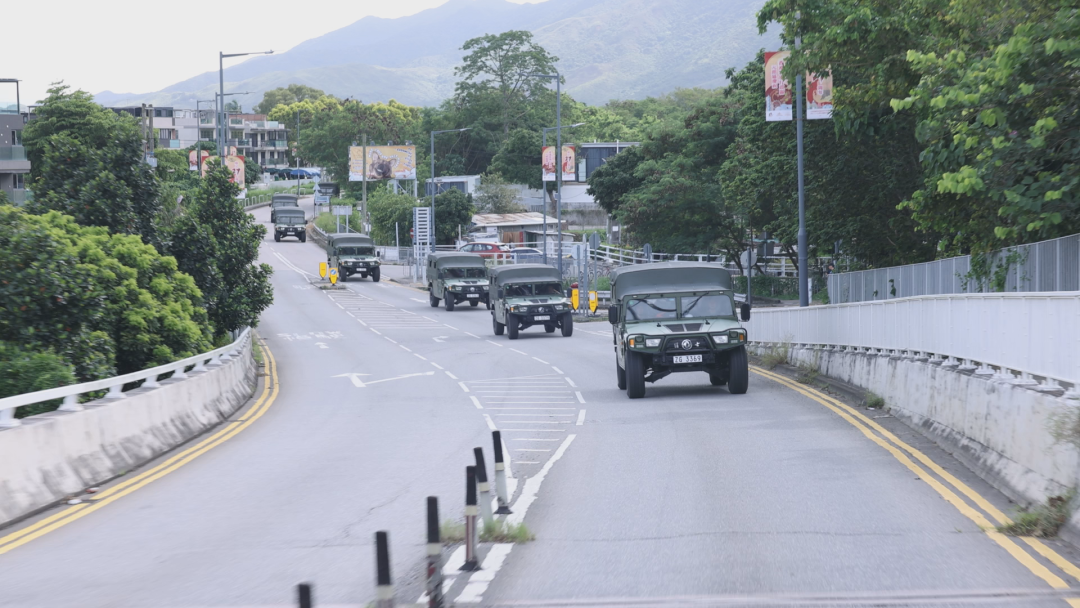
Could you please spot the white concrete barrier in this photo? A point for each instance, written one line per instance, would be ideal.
(51, 456)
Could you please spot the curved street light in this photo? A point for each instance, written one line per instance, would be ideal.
(221, 94)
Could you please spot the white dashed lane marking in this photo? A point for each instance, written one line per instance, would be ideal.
(377, 314)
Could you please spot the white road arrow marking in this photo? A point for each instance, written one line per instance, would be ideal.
(439, 338)
(355, 379)
(400, 377)
(419, 300)
(358, 383)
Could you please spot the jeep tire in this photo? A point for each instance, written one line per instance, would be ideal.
(375, 274)
(568, 325)
(635, 375)
(303, 237)
(496, 326)
(277, 237)
(431, 297)
(739, 371)
(344, 275)
(512, 326)
(620, 376)
(449, 302)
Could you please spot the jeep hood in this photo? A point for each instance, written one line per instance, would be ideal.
(665, 327)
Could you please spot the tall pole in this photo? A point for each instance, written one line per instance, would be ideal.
(221, 106)
(804, 277)
(298, 154)
(363, 165)
(558, 174)
(544, 198)
(432, 184)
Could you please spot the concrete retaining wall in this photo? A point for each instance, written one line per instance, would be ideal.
(54, 455)
(998, 429)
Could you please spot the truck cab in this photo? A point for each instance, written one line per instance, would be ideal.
(455, 277)
(290, 221)
(352, 254)
(526, 295)
(677, 317)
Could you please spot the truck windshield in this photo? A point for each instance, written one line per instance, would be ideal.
(534, 289)
(356, 251)
(291, 220)
(651, 308)
(465, 273)
(706, 306)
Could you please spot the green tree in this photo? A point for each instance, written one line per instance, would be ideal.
(519, 159)
(495, 195)
(217, 243)
(252, 171)
(87, 162)
(611, 182)
(285, 96)
(453, 208)
(388, 210)
(26, 371)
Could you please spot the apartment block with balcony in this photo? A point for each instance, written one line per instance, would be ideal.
(263, 141)
(14, 167)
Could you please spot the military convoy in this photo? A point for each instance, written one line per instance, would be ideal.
(677, 317)
(455, 277)
(290, 221)
(351, 254)
(282, 201)
(527, 295)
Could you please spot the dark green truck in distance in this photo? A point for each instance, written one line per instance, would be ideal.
(455, 277)
(290, 221)
(352, 254)
(677, 317)
(282, 201)
(524, 295)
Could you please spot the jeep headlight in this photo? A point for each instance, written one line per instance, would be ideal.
(720, 338)
(737, 335)
(652, 342)
(455, 287)
(517, 309)
(562, 307)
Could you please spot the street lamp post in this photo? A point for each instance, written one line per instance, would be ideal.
(545, 130)
(221, 95)
(558, 147)
(433, 134)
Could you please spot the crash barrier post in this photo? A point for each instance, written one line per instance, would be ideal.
(303, 595)
(484, 487)
(471, 563)
(434, 555)
(500, 475)
(384, 589)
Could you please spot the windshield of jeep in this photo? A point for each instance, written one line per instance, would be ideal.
(706, 306)
(693, 307)
(464, 273)
(356, 251)
(651, 308)
(534, 289)
(290, 220)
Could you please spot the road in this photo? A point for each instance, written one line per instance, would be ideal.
(381, 398)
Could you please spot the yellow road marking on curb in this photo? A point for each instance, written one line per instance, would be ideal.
(850, 415)
(103, 498)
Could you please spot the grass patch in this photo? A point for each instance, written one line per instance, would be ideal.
(256, 350)
(874, 401)
(1042, 520)
(775, 356)
(497, 532)
(806, 375)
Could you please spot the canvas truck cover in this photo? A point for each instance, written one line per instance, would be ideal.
(668, 277)
(285, 198)
(524, 273)
(345, 239)
(457, 259)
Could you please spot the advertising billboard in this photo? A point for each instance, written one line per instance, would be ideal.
(778, 93)
(235, 165)
(383, 162)
(569, 163)
(193, 161)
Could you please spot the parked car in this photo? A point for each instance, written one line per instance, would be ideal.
(526, 255)
(486, 250)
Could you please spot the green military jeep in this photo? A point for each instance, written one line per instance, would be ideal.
(282, 201)
(455, 277)
(677, 317)
(527, 295)
(290, 221)
(352, 254)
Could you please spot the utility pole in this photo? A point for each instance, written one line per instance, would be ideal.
(363, 184)
(298, 154)
(804, 276)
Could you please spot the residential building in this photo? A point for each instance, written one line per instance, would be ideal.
(463, 183)
(14, 167)
(254, 137)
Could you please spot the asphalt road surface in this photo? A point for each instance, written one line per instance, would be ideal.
(775, 497)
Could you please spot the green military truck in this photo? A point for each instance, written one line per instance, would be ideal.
(528, 294)
(352, 254)
(290, 221)
(282, 201)
(677, 317)
(455, 277)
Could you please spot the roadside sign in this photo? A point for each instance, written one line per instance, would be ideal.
(322, 199)
(594, 241)
(342, 209)
(575, 297)
(593, 301)
(647, 252)
(322, 269)
(333, 276)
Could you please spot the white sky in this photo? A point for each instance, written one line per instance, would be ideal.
(139, 47)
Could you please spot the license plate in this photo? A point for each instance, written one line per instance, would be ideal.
(542, 318)
(687, 358)
(474, 295)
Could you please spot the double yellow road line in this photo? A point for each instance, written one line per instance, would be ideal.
(105, 497)
(908, 456)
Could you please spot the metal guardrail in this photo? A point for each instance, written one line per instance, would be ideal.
(1052, 265)
(972, 332)
(115, 386)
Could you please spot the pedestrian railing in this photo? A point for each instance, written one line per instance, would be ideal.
(1024, 338)
(115, 386)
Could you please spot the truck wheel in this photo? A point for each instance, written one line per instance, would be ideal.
(635, 375)
(375, 275)
(739, 374)
(344, 275)
(303, 237)
(568, 325)
(449, 302)
(432, 299)
(277, 238)
(549, 328)
(474, 303)
(496, 326)
(512, 326)
(620, 375)
(717, 379)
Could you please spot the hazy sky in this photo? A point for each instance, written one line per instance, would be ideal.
(138, 47)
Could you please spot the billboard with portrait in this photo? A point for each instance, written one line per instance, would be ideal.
(383, 162)
(778, 94)
(193, 160)
(569, 163)
(235, 165)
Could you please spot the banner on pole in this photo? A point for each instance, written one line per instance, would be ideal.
(569, 164)
(235, 165)
(383, 162)
(779, 94)
(819, 90)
